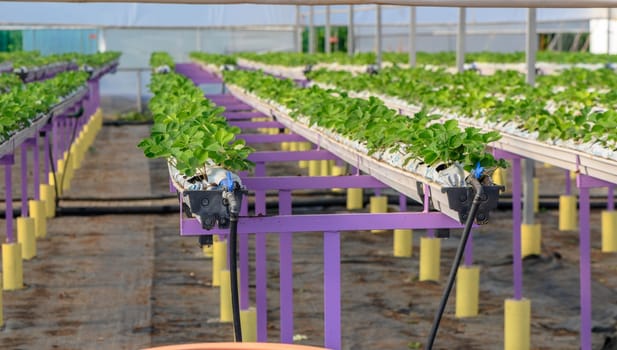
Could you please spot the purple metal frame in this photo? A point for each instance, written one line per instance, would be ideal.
(8, 161)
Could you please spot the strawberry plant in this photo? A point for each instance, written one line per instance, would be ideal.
(190, 130)
(160, 59)
(373, 124)
(212, 58)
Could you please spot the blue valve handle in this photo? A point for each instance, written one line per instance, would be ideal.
(478, 170)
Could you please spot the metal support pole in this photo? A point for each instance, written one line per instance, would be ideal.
(139, 108)
(8, 161)
(412, 36)
(379, 46)
(311, 29)
(332, 290)
(350, 32)
(532, 46)
(517, 255)
(24, 180)
(298, 28)
(198, 39)
(460, 39)
(261, 269)
(528, 191)
(36, 169)
(328, 34)
(585, 268)
(286, 272)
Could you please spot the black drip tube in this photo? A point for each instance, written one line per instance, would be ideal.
(457, 259)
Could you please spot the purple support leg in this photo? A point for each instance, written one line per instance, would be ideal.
(243, 255)
(36, 169)
(585, 268)
(286, 272)
(517, 259)
(56, 141)
(610, 205)
(24, 180)
(46, 156)
(332, 290)
(8, 161)
(261, 271)
(377, 192)
(402, 202)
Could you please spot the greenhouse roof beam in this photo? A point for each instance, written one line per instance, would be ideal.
(431, 3)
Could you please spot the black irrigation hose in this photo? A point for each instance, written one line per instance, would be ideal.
(233, 267)
(457, 261)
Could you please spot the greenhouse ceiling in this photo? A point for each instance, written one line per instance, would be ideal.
(432, 3)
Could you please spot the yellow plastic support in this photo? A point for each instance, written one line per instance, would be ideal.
(378, 204)
(38, 212)
(314, 168)
(219, 261)
(609, 231)
(517, 324)
(225, 297)
(324, 168)
(12, 269)
(294, 146)
(567, 213)
(547, 165)
(467, 291)
(209, 250)
(1, 309)
(248, 322)
(48, 195)
(355, 198)
(26, 237)
(499, 176)
(52, 182)
(338, 171)
(430, 251)
(536, 194)
(285, 146)
(531, 238)
(403, 243)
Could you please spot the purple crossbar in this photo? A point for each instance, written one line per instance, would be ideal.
(238, 106)
(256, 125)
(263, 225)
(286, 273)
(242, 115)
(196, 74)
(283, 156)
(263, 138)
(311, 183)
(332, 289)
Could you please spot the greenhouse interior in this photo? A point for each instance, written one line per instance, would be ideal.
(295, 174)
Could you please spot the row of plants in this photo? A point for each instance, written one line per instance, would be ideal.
(32, 59)
(9, 82)
(421, 138)
(24, 103)
(213, 58)
(575, 105)
(445, 58)
(190, 131)
(160, 59)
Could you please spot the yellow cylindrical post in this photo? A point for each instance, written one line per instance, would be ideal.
(12, 270)
(378, 204)
(609, 231)
(403, 243)
(38, 212)
(467, 291)
(324, 168)
(52, 182)
(26, 237)
(354, 198)
(225, 297)
(517, 324)
(1, 309)
(547, 165)
(531, 238)
(248, 322)
(284, 146)
(573, 175)
(314, 168)
(48, 196)
(498, 176)
(430, 251)
(338, 171)
(208, 250)
(219, 261)
(536, 194)
(567, 213)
